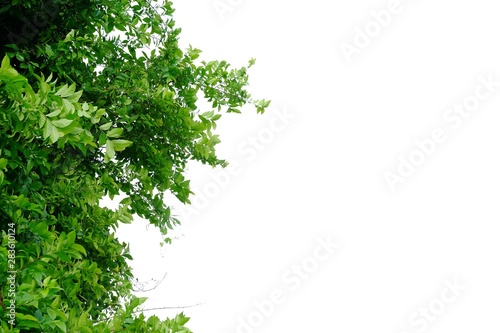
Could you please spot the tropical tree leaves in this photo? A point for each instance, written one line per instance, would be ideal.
(87, 112)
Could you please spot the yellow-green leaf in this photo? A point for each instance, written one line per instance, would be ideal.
(5, 62)
(115, 133)
(106, 126)
(62, 122)
(120, 145)
(110, 151)
(3, 163)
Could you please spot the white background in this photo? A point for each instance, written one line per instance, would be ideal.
(322, 174)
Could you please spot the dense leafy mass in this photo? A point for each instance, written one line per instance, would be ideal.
(96, 99)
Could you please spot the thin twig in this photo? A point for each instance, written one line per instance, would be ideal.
(169, 307)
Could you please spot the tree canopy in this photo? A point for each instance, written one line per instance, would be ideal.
(96, 100)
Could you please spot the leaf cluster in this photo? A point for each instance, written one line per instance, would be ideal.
(97, 99)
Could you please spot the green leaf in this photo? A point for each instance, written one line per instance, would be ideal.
(73, 98)
(39, 315)
(52, 314)
(68, 106)
(136, 301)
(71, 237)
(70, 35)
(106, 126)
(64, 91)
(61, 325)
(48, 50)
(79, 248)
(115, 133)
(5, 62)
(54, 113)
(110, 151)
(50, 131)
(120, 145)
(30, 318)
(41, 120)
(61, 123)
(10, 75)
(97, 116)
(3, 163)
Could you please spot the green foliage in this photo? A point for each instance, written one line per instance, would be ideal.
(96, 99)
